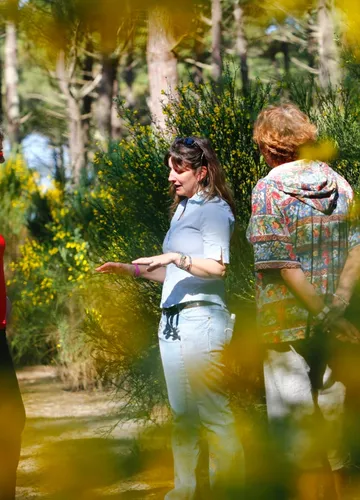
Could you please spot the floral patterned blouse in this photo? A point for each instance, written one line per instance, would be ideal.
(301, 217)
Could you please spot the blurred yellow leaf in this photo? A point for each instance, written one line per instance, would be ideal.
(323, 151)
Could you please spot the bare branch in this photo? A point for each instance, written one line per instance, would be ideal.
(132, 65)
(86, 116)
(94, 55)
(302, 65)
(25, 118)
(49, 100)
(197, 63)
(88, 88)
(51, 112)
(206, 20)
(288, 37)
(119, 50)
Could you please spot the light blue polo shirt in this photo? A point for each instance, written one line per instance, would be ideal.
(199, 228)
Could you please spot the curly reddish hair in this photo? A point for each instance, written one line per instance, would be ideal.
(280, 131)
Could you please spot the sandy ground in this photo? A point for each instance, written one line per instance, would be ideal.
(72, 448)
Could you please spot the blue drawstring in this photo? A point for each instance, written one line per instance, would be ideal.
(170, 330)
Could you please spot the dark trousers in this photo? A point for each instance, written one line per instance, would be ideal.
(12, 420)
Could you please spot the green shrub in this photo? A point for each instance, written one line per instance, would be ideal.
(132, 218)
(132, 213)
(336, 113)
(94, 325)
(46, 284)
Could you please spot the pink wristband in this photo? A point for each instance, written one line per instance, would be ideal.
(137, 270)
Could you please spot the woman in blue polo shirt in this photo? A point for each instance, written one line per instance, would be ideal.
(195, 325)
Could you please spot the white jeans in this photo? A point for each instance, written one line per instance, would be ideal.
(305, 405)
(192, 345)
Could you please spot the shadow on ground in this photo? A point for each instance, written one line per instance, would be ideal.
(68, 453)
(65, 466)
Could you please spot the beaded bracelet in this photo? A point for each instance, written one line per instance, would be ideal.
(344, 301)
(137, 271)
(188, 267)
(182, 264)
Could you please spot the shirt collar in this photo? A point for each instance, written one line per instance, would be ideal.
(198, 196)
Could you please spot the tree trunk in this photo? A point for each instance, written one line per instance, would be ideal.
(285, 50)
(105, 96)
(161, 60)
(129, 78)
(60, 171)
(216, 40)
(200, 54)
(311, 37)
(88, 99)
(77, 147)
(241, 45)
(11, 80)
(116, 124)
(78, 152)
(328, 51)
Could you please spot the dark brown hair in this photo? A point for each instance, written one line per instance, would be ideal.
(195, 152)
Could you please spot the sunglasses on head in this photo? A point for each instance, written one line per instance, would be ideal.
(189, 142)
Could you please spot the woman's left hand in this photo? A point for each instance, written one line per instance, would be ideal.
(345, 331)
(157, 261)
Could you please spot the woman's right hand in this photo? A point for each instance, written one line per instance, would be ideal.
(116, 268)
(345, 331)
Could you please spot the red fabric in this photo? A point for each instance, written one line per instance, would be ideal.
(2, 285)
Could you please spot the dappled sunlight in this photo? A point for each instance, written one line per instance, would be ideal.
(73, 449)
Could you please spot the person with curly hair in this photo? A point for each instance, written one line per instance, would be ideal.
(307, 261)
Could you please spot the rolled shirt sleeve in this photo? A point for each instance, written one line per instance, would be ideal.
(216, 227)
(268, 232)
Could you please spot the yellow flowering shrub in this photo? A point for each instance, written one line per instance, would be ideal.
(46, 283)
(97, 323)
(336, 112)
(131, 205)
(17, 185)
(132, 216)
(226, 117)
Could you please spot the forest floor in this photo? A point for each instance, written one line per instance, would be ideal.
(73, 449)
